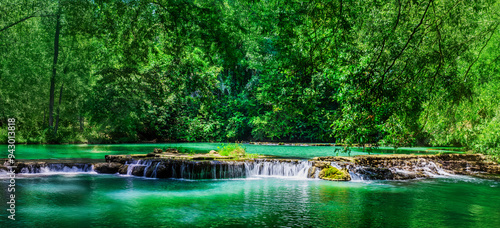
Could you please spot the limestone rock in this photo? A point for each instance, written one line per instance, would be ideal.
(112, 167)
(172, 151)
(123, 169)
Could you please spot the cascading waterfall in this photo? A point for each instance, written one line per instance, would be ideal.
(299, 169)
(56, 168)
(421, 169)
(401, 167)
(185, 169)
(144, 164)
(428, 168)
(155, 170)
(216, 169)
(355, 176)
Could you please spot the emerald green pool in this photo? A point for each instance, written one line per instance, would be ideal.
(91, 200)
(73, 151)
(104, 200)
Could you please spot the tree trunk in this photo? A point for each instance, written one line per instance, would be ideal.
(43, 120)
(54, 67)
(81, 122)
(58, 110)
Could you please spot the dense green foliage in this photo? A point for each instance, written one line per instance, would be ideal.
(398, 73)
(236, 151)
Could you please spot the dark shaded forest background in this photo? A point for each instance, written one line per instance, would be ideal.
(399, 73)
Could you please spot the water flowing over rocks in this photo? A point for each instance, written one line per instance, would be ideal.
(402, 167)
(48, 167)
(188, 169)
(170, 168)
(364, 167)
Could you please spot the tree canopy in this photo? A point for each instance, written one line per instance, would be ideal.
(399, 73)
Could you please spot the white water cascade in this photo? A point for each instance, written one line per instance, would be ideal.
(185, 169)
(56, 168)
(217, 169)
(422, 169)
(428, 168)
(298, 169)
(138, 163)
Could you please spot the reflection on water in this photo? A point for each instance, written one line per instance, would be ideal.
(109, 200)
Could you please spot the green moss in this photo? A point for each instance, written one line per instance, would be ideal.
(334, 174)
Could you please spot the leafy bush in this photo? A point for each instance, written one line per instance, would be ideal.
(235, 150)
(232, 150)
(488, 141)
(3, 135)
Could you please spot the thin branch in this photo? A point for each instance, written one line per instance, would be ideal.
(479, 55)
(17, 22)
(409, 39)
(24, 19)
(387, 36)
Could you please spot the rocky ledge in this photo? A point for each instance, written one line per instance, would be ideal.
(365, 167)
(175, 155)
(402, 167)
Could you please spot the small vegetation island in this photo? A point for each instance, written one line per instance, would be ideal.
(328, 104)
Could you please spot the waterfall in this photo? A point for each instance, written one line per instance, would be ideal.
(299, 169)
(420, 169)
(353, 172)
(144, 164)
(216, 169)
(411, 170)
(155, 170)
(53, 168)
(185, 169)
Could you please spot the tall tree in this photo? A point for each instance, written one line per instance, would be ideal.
(54, 68)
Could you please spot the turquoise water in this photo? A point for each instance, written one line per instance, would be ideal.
(91, 200)
(73, 151)
(88, 200)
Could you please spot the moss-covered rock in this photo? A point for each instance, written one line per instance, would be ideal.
(334, 174)
(123, 169)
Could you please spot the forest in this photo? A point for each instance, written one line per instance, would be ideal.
(395, 73)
